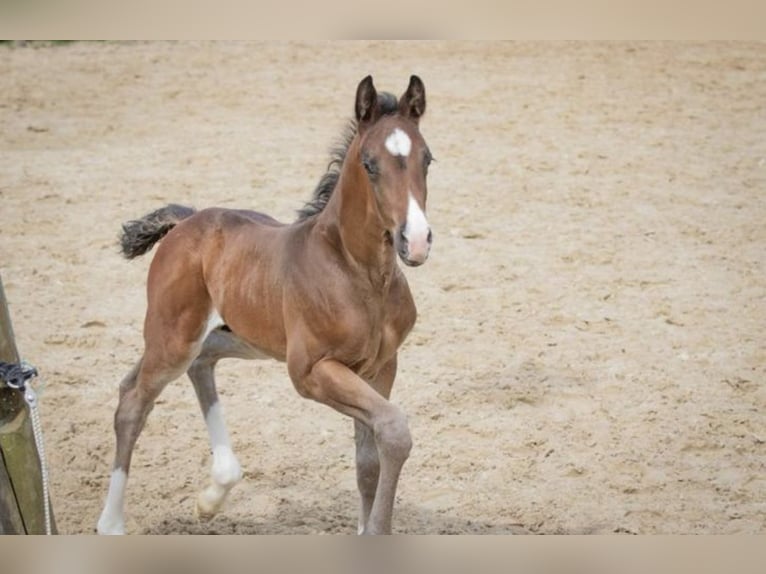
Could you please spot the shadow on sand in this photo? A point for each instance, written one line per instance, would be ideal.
(293, 517)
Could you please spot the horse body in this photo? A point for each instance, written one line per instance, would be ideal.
(324, 294)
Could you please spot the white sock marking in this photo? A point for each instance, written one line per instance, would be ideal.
(112, 520)
(216, 427)
(226, 470)
(398, 143)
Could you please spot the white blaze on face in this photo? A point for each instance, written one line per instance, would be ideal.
(398, 143)
(416, 232)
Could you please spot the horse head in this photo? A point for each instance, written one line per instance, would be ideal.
(395, 157)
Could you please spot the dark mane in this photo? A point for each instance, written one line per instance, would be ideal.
(322, 192)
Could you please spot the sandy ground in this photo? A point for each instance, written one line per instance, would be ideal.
(589, 356)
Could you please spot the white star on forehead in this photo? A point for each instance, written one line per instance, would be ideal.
(398, 143)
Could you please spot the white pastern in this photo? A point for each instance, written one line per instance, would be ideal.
(398, 143)
(112, 520)
(416, 231)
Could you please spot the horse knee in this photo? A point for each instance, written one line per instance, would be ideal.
(392, 435)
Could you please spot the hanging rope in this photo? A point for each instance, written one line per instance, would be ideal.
(16, 376)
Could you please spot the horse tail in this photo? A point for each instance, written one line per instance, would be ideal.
(138, 236)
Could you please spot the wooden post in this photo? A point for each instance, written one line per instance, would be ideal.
(21, 492)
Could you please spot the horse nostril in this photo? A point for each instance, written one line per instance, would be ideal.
(430, 237)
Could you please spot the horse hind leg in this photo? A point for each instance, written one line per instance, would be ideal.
(168, 353)
(138, 391)
(225, 470)
(112, 519)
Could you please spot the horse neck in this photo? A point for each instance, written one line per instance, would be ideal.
(352, 209)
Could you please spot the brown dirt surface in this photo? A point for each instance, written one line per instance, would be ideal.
(589, 355)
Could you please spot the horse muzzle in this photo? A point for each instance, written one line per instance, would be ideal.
(413, 251)
(414, 238)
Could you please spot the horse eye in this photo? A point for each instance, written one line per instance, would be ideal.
(370, 166)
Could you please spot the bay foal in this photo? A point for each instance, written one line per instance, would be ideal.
(324, 294)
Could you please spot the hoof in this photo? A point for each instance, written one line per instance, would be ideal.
(209, 502)
(109, 527)
(203, 513)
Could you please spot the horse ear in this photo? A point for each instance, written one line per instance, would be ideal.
(412, 104)
(366, 101)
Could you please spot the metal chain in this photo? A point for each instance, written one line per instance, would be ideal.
(16, 375)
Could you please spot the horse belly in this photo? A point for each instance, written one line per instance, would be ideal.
(259, 324)
(246, 295)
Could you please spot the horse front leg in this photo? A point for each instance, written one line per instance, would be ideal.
(367, 470)
(334, 384)
(367, 461)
